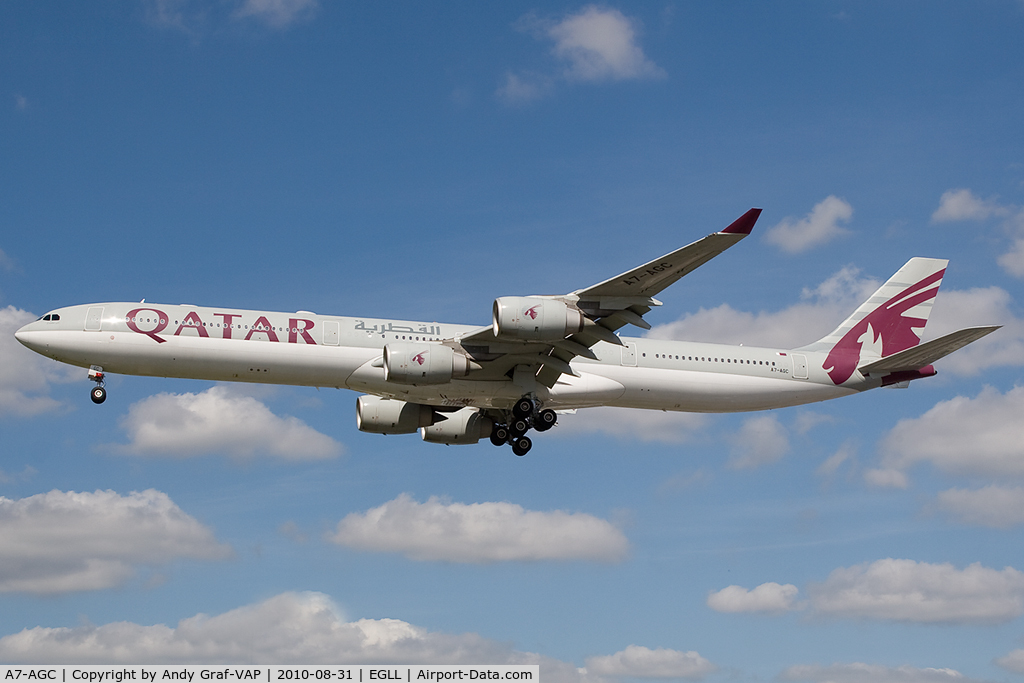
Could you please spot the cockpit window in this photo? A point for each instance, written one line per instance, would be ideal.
(51, 316)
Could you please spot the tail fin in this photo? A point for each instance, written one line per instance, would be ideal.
(892, 320)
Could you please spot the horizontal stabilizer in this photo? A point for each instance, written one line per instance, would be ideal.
(926, 353)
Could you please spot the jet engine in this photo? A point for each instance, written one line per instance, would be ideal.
(387, 416)
(534, 319)
(466, 426)
(423, 363)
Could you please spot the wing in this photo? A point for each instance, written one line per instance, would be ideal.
(600, 311)
(926, 353)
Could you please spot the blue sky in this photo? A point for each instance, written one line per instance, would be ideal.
(411, 160)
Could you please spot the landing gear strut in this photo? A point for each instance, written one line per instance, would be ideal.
(526, 414)
(98, 394)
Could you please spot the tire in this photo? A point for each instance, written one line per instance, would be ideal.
(522, 445)
(98, 395)
(518, 427)
(523, 408)
(546, 420)
(499, 435)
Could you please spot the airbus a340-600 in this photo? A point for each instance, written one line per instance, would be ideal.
(539, 357)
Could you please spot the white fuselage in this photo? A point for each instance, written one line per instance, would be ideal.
(302, 348)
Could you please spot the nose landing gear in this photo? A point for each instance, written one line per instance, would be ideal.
(526, 414)
(98, 394)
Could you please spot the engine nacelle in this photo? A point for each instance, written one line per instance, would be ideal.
(466, 426)
(522, 317)
(423, 363)
(387, 416)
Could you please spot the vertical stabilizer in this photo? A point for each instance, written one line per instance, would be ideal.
(892, 320)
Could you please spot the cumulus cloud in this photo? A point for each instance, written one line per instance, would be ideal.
(6, 262)
(995, 506)
(277, 13)
(956, 309)
(300, 628)
(979, 436)
(909, 591)
(632, 423)
(523, 88)
(60, 541)
(600, 43)
(858, 672)
(761, 440)
(963, 205)
(822, 225)
(479, 532)
(594, 44)
(846, 451)
(1013, 661)
(637, 661)
(25, 376)
(219, 421)
(768, 597)
(817, 313)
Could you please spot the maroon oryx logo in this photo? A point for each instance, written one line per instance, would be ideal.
(531, 312)
(420, 358)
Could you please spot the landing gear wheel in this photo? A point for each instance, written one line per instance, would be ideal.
(99, 395)
(522, 445)
(499, 435)
(546, 420)
(518, 427)
(523, 408)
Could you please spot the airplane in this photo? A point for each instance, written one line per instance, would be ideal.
(541, 356)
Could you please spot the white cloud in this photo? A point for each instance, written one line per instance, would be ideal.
(633, 423)
(60, 541)
(956, 309)
(979, 436)
(1013, 661)
(523, 89)
(218, 421)
(845, 452)
(886, 478)
(599, 43)
(768, 597)
(993, 506)
(819, 311)
(277, 13)
(760, 441)
(594, 44)
(637, 661)
(6, 262)
(858, 672)
(964, 205)
(479, 532)
(909, 591)
(820, 226)
(25, 376)
(301, 628)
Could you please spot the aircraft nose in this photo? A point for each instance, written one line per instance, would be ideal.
(28, 337)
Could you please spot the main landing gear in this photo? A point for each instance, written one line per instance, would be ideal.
(98, 394)
(526, 414)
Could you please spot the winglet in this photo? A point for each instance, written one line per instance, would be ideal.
(744, 224)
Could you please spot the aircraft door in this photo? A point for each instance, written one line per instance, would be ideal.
(629, 355)
(93, 319)
(331, 332)
(799, 366)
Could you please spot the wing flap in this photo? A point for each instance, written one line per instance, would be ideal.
(928, 352)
